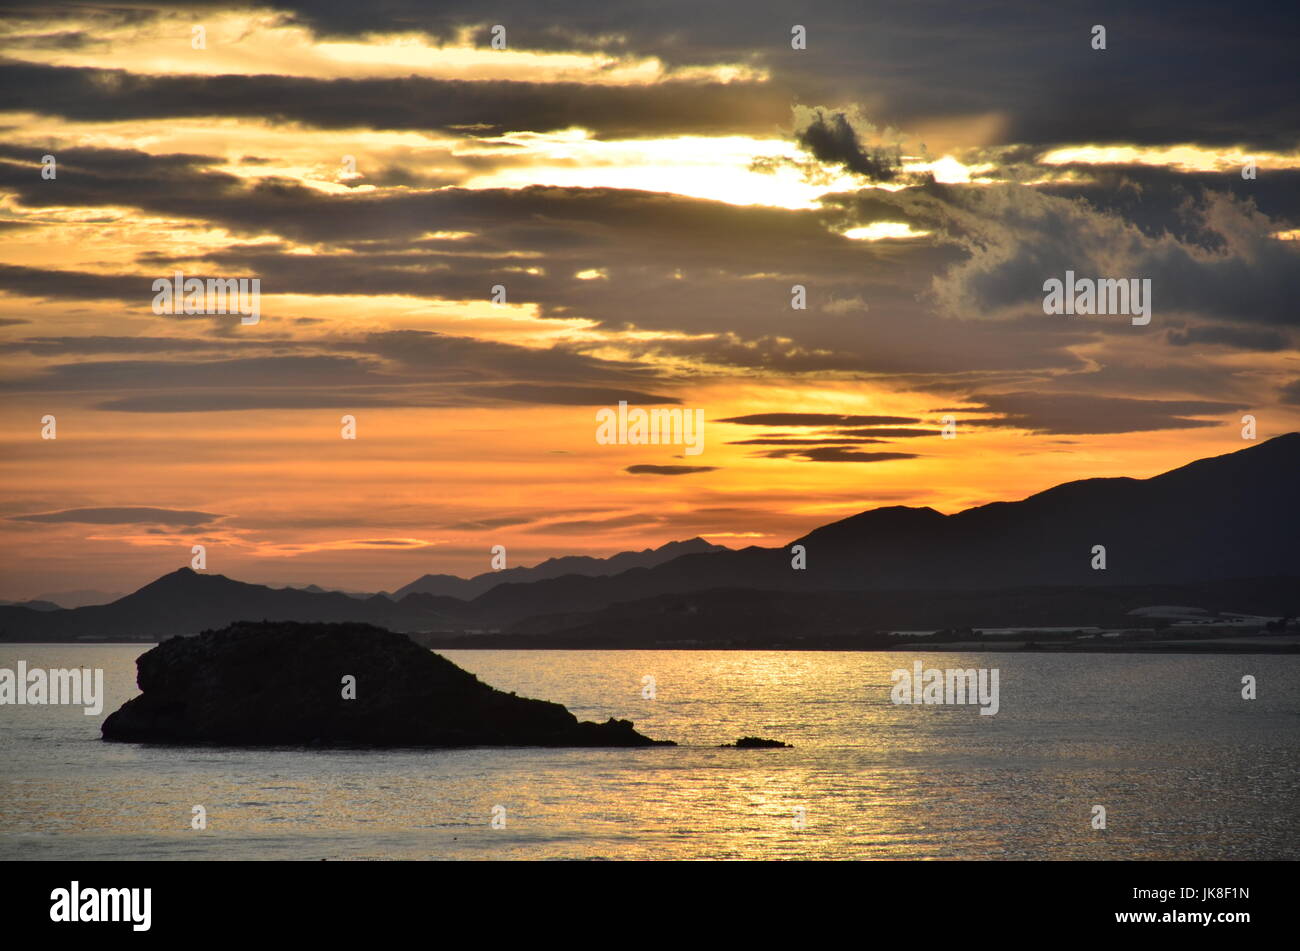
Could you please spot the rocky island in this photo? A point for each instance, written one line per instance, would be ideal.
(298, 684)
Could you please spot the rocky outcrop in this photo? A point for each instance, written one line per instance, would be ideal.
(756, 743)
(290, 684)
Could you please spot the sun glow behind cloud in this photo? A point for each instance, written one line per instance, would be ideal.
(719, 168)
(880, 230)
(739, 170)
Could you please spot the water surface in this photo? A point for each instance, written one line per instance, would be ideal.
(1184, 766)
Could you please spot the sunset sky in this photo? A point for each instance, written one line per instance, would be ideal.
(647, 182)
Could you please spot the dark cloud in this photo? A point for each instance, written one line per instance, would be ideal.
(1238, 338)
(124, 515)
(65, 346)
(1170, 66)
(668, 470)
(891, 432)
(1161, 199)
(460, 107)
(1080, 414)
(779, 441)
(398, 368)
(675, 263)
(832, 137)
(1017, 238)
(567, 395)
(1155, 371)
(61, 40)
(814, 419)
(837, 454)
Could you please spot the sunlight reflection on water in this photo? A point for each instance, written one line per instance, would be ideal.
(1184, 766)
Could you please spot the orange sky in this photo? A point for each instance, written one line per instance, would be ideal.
(657, 265)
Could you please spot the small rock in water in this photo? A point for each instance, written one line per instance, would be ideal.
(756, 743)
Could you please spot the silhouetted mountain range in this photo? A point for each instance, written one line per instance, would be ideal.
(468, 588)
(36, 604)
(79, 599)
(185, 602)
(1231, 516)
(1228, 518)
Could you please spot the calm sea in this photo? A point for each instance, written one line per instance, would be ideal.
(1184, 767)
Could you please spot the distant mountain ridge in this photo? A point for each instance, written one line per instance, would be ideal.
(68, 599)
(1226, 517)
(469, 588)
(186, 602)
(35, 604)
(1220, 519)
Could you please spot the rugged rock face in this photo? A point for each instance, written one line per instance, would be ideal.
(284, 684)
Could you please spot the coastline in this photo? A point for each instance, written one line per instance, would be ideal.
(1284, 645)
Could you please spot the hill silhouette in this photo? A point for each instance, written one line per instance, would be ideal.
(469, 588)
(1220, 519)
(1228, 517)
